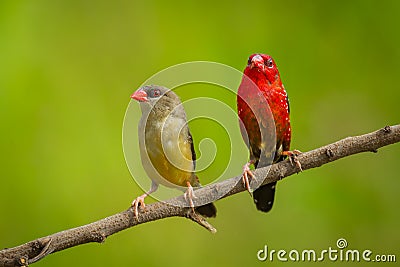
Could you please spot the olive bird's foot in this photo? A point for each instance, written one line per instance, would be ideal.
(292, 155)
(139, 201)
(189, 195)
(245, 178)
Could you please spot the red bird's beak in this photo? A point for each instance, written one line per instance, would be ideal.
(140, 96)
(257, 62)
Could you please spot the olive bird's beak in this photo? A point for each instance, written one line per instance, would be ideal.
(140, 95)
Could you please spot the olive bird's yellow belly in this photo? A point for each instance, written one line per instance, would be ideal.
(168, 160)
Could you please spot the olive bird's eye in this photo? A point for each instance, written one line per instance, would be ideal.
(156, 92)
(269, 63)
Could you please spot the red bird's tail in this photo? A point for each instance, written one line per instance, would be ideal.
(264, 197)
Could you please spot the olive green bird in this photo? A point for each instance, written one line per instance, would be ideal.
(166, 145)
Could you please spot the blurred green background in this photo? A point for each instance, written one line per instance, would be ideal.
(67, 69)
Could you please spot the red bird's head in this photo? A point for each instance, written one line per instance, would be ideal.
(261, 64)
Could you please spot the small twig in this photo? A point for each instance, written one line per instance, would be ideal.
(98, 231)
(45, 251)
(200, 220)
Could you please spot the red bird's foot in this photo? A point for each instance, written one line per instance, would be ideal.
(246, 173)
(189, 195)
(139, 201)
(292, 155)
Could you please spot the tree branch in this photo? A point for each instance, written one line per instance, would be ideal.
(98, 231)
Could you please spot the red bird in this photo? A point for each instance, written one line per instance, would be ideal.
(263, 109)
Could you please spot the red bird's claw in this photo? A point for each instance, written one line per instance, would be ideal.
(189, 195)
(246, 173)
(297, 152)
(293, 157)
(139, 201)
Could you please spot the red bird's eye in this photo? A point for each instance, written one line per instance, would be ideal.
(269, 63)
(249, 61)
